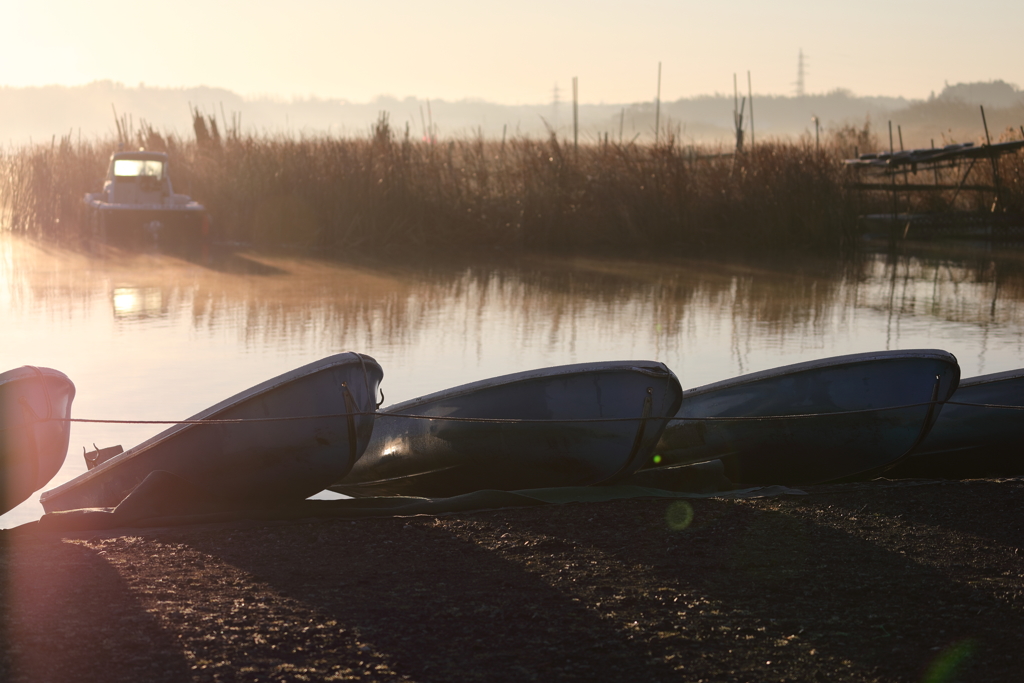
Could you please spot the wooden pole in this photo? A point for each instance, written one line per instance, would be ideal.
(575, 115)
(737, 114)
(739, 126)
(657, 108)
(906, 176)
(430, 123)
(895, 199)
(995, 164)
(750, 96)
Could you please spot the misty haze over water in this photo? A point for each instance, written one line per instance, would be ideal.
(37, 114)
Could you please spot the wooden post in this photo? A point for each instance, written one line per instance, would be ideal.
(895, 198)
(750, 96)
(737, 114)
(657, 108)
(735, 104)
(575, 115)
(995, 164)
(430, 123)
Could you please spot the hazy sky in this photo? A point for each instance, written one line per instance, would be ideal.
(512, 52)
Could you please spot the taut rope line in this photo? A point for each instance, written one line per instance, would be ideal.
(512, 420)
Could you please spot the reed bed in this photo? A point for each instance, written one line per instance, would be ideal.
(387, 191)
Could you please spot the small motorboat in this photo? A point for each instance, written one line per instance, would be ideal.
(572, 425)
(970, 441)
(35, 404)
(137, 204)
(295, 434)
(849, 415)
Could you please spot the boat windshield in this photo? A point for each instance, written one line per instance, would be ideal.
(127, 168)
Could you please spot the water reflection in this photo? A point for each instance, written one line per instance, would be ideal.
(535, 307)
(137, 303)
(150, 336)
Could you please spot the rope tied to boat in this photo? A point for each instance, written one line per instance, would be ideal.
(366, 379)
(569, 420)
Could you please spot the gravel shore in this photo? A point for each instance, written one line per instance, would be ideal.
(877, 581)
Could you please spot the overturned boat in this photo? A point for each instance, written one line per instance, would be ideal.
(279, 441)
(35, 404)
(977, 440)
(571, 425)
(812, 422)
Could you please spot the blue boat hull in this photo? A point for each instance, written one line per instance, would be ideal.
(971, 441)
(33, 444)
(826, 447)
(256, 462)
(441, 457)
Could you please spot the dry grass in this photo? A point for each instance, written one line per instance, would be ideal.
(389, 191)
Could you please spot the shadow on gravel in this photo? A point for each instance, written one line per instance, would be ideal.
(66, 615)
(748, 594)
(827, 587)
(994, 507)
(436, 606)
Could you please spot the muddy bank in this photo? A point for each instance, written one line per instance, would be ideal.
(858, 582)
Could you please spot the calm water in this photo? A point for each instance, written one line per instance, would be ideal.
(151, 337)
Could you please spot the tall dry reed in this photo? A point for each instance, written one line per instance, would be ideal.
(386, 190)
